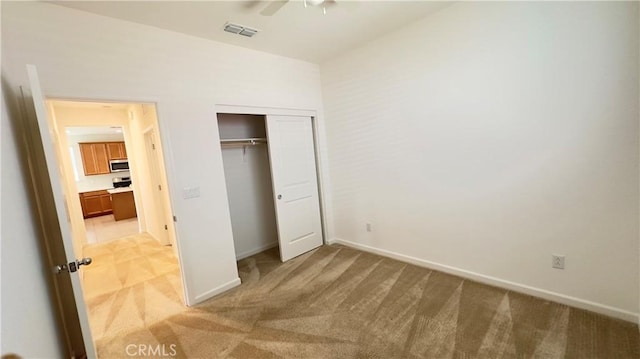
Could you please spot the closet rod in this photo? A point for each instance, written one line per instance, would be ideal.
(243, 142)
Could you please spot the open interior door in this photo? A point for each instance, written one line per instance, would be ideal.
(295, 184)
(54, 217)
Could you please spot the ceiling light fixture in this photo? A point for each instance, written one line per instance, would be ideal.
(308, 3)
(314, 2)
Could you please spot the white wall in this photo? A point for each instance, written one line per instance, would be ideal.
(249, 188)
(28, 323)
(488, 136)
(157, 215)
(150, 122)
(187, 77)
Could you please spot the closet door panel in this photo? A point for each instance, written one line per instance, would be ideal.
(295, 186)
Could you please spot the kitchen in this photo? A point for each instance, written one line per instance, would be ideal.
(112, 168)
(102, 174)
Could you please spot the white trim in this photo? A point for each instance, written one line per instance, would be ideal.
(516, 287)
(253, 110)
(164, 137)
(105, 99)
(321, 169)
(251, 252)
(215, 291)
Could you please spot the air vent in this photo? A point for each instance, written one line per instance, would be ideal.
(248, 32)
(239, 29)
(234, 29)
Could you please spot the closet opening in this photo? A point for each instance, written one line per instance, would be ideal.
(272, 182)
(247, 169)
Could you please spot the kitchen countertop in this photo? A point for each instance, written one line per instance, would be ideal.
(120, 190)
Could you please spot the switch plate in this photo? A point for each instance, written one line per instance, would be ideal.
(557, 261)
(190, 192)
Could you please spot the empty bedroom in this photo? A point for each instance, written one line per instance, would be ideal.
(344, 179)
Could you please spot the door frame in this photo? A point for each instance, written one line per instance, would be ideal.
(151, 132)
(317, 141)
(162, 133)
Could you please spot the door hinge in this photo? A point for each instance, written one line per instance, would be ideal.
(166, 227)
(175, 219)
(153, 146)
(159, 188)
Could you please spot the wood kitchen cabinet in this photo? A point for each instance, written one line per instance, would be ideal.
(116, 150)
(96, 156)
(95, 203)
(124, 205)
(95, 160)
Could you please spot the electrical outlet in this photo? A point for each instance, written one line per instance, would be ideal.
(368, 227)
(557, 261)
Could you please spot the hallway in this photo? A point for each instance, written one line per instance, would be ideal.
(131, 284)
(105, 228)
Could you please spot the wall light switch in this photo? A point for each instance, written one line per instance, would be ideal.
(190, 192)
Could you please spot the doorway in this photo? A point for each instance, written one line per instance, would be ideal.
(100, 166)
(111, 165)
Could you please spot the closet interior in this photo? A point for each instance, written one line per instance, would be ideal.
(243, 139)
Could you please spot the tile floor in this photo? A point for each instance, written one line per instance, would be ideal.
(106, 228)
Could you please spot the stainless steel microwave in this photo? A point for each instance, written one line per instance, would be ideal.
(119, 165)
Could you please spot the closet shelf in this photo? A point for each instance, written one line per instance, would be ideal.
(243, 141)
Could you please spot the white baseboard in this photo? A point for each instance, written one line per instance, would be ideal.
(263, 248)
(516, 287)
(215, 291)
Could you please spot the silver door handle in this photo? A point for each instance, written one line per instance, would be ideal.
(84, 261)
(73, 266)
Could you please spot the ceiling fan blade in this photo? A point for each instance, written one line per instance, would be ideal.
(273, 7)
(251, 4)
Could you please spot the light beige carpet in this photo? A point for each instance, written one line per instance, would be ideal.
(132, 283)
(337, 302)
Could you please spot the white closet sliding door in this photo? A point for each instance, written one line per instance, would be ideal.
(295, 184)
